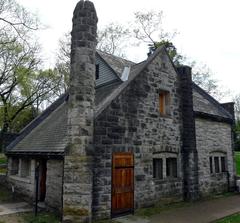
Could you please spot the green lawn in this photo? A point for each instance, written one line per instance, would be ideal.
(230, 219)
(237, 159)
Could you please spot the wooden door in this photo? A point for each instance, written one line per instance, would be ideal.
(122, 183)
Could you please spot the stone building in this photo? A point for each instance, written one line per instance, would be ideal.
(125, 136)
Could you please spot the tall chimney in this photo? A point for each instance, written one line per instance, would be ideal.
(78, 176)
(189, 149)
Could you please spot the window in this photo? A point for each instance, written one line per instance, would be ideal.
(15, 166)
(171, 164)
(223, 164)
(25, 167)
(217, 163)
(164, 102)
(211, 164)
(97, 72)
(158, 168)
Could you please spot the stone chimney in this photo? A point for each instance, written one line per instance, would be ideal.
(189, 149)
(78, 173)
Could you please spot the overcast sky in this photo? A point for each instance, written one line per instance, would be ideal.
(209, 30)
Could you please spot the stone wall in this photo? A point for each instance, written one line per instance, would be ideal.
(78, 173)
(22, 185)
(54, 184)
(214, 139)
(132, 122)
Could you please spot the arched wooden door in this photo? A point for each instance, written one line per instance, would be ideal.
(122, 183)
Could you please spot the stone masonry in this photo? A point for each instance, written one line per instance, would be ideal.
(54, 184)
(77, 187)
(214, 139)
(189, 150)
(132, 122)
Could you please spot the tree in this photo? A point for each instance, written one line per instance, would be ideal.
(236, 100)
(113, 38)
(22, 84)
(15, 22)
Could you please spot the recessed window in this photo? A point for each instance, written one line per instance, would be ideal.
(171, 167)
(25, 167)
(211, 164)
(158, 168)
(223, 164)
(15, 166)
(164, 103)
(217, 163)
(97, 72)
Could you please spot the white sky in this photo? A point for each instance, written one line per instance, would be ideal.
(209, 30)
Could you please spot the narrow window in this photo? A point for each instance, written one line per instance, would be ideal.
(97, 72)
(164, 102)
(211, 164)
(25, 167)
(15, 166)
(223, 164)
(171, 166)
(158, 168)
(216, 163)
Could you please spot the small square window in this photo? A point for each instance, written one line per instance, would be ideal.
(171, 166)
(158, 168)
(164, 103)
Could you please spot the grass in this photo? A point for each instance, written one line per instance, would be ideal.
(235, 218)
(44, 217)
(237, 159)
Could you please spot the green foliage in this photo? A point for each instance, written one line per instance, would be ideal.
(237, 135)
(237, 161)
(171, 49)
(230, 219)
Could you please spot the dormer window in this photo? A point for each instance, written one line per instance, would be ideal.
(97, 72)
(164, 103)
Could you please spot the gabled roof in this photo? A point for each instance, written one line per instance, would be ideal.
(116, 63)
(205, 103)
(47, 133)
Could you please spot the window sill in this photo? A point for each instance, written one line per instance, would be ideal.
(165, 116)
(22, 179)
(218, 174)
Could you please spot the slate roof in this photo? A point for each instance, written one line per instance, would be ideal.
(47, 133)
(204, 103)
(116, 63)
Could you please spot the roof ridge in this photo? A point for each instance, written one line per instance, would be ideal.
(118, 90)
(127, 60)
